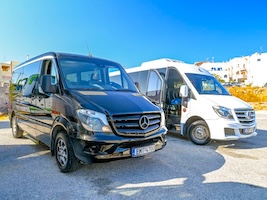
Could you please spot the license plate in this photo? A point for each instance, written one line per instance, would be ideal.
(248, 130)
(140, 151)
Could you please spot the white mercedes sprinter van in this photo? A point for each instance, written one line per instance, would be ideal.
(195, 103)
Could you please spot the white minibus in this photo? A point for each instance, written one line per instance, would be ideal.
(195, 103)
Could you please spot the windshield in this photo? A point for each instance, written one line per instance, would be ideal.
(94, 74)
(207, 84)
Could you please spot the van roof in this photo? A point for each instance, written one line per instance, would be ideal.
(57, 55)
(166, 62)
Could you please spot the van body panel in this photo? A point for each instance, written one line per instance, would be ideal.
(127, 102)
(227, 101)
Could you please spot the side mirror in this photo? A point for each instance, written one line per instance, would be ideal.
(183, 91)
(46, 84)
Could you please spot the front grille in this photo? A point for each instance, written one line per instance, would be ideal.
(245, 116)
(129, 124)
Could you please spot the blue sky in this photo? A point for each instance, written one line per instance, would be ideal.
(133, 31)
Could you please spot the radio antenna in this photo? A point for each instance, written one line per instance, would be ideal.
(89, 54)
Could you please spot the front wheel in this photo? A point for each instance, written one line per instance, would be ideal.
(199, 133)
(65, 157)
(16, 131)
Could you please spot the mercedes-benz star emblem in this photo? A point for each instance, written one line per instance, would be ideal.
(249, 114)
(144, 122)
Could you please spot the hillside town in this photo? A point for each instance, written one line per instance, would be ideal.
(242, 71)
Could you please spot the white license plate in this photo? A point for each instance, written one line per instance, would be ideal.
(140, 151)
(248, 130)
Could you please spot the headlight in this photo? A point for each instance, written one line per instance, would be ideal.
(93, 121)
(223, 112)
(162, 122)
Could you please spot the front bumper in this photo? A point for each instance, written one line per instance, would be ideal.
(229, 130)
(117, 147)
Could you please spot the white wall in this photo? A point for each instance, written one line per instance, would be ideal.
(218, 68)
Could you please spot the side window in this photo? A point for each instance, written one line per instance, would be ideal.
(134, 76)
(54, 74)
(117, 80)
(174, 79)
(143, 76)
(29, 77)
(49, 68)
(162, 72)
(16, 82)
(154, 86)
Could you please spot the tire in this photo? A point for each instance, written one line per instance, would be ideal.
(16, 131)
(199, 133)
(65, 157)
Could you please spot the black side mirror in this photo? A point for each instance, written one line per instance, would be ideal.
(46, 84)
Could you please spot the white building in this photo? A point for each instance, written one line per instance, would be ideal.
(218, 68)
(6, 72)
(250, 70)
(5, 77)
(238, 69)
(257, 69)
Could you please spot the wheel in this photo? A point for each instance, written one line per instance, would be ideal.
(65, 157)
(199, 133)
(16, 131)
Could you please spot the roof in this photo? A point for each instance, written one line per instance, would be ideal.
(165, 62)
(60, 54)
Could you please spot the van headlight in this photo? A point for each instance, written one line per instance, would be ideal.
(162, 121)
(93, 121)
(223, 112)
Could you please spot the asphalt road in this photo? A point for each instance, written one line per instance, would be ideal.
(182, 170)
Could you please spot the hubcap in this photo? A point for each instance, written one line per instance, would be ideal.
(62, 154)
(200, 133)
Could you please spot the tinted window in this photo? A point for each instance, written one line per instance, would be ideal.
(48, 67)
(54, 74)
(16, 83)
(118, 81)
(29, 77)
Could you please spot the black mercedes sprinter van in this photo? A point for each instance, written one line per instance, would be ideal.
(75, 106)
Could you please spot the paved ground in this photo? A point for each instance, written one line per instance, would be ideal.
(182, 170)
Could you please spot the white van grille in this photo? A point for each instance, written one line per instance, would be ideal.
(245, 116)
(139, 125)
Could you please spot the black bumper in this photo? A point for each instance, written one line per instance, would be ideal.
(86, 150)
